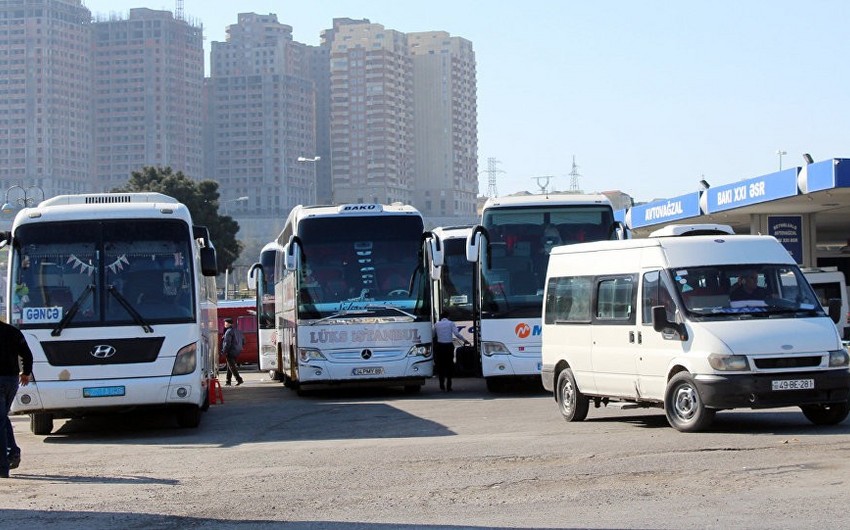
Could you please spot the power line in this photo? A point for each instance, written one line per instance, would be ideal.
(492, 171)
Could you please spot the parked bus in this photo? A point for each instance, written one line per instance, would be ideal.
(511, 249)
(244, 315)
(261, 278)
(352, 299)
(453, 291)
(115, 294)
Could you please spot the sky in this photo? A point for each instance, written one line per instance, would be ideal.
(649, 97)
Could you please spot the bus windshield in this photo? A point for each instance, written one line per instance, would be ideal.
(109, 272)
(457, 281)
(368, 266)
(520, 241)
(266, 289)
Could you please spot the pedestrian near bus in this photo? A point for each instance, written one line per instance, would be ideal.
(231, 347)
(444, 351)
(15, 368)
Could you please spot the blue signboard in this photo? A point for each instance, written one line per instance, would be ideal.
(663, 212)
(827, 174)
(752, 191)
(788, 230)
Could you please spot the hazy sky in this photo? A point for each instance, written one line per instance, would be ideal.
(649, 96)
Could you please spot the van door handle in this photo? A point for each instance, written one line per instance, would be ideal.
(631, 337)
(640, 338)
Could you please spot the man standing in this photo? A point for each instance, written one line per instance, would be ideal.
(444, 351)
(15, 367)
(231, 347)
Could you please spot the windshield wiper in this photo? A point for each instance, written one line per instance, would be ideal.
(343, 313)
(402, 311)
(73, 311)
(137, 318)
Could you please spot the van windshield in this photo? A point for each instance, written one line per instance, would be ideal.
(755, 290)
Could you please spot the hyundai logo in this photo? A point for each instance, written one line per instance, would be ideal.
(366, 354)
(102, 351)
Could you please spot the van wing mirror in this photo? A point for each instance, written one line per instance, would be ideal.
(834, 309)
(661, 324)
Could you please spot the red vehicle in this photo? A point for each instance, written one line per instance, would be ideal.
(244, 315)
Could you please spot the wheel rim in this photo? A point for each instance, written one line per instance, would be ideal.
(685, 403)
(568, 397)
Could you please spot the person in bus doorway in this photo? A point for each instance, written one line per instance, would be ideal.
(231, 347)
(444, 350)
(15, 368)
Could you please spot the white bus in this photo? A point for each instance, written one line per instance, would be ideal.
(453, 291)
(261, 278)
(511, 248)
(352, 299)
(109, 292)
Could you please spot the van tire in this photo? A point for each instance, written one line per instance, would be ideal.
(826, 414)
(571, 402)
(683, 405)
(41, 423)
(189, 417)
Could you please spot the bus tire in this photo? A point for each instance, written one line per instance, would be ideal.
(683, 405)
(494, 384)
(189, 417)
(571, 402)
(827, 413)
(274, 375)
(412, 389)
(41, 423)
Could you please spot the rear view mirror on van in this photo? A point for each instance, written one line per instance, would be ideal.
(834, 309)
(660, 323)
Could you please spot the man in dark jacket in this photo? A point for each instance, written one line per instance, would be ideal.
(15, 367)
(231, 347)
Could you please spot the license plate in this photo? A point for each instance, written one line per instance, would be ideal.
(793, 384)
(377, 370)
(103, 391)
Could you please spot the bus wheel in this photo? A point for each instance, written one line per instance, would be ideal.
(412, 389)
(683, 405)
(274, 375)
(189, 417)
(826, 414)
(494, 384)
(571, 402)
(41, 423)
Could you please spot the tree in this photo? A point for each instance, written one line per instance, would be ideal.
(201, 197)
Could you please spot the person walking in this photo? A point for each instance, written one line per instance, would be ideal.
(15, 368)
(231, 347)
(444, 350)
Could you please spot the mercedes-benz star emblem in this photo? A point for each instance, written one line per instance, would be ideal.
(366, 354)
(102, 351)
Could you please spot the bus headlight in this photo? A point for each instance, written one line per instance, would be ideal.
(310, 354)
(494, 348)
(724, 363)
(186, 360)
(419, 350)
(838, 358)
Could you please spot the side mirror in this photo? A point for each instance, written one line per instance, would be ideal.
(209, 265)
(474, 242)
(834, 309)
(291, 253)
(255, 270)
(661, 324)
(5, 238)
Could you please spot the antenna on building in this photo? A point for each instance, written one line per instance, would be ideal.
(178, 10)
(574, 175)
(492, 171)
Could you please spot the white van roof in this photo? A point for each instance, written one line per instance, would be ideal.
(694, 251)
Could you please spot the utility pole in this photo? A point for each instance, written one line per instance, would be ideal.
(574, 175)
(492, 171)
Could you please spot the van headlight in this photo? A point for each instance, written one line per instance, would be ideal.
(494, 348)
(420, 350)
(728, 363)
(838, 358)
(186, 360)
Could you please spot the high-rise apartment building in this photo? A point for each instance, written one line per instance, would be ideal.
(371, 113)
(45, 95)
(149, 74)
(261, 121)
(446, 126)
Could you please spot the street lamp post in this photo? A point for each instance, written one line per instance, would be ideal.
(25, 201)
(239, 199)
(781, 153)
